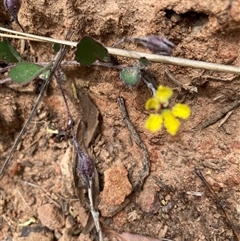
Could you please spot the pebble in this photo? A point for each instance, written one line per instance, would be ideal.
(117, 187)
(51, 216)
(148, 200)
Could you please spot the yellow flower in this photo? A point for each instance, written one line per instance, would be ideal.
(166, 116)
(152, 104)
(181, 111)
(163, 94)
(170, 122)
(154, 122)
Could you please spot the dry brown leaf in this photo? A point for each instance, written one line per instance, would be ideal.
(90, 120)
(87, 129)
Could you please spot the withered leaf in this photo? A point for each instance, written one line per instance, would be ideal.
(90, 120)
(86, 132)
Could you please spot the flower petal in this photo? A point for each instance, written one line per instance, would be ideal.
(154, 122)
(152, 104)
(181, 110)
(163, 94)
(170, 122)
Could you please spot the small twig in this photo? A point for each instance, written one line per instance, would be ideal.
(149, 82)
(145, 162)
(218, 97)
(136, 55)
(217, 116)
(20, 194)
(187, 87)
(42, 189)
(5, 80)
(225, 118)
(218, 202)
(94, 212)
(215, 79)
(5, 69)
(119, 42)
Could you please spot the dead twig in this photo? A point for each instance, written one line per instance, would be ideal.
(132, 54)
(225, 118)
(187, 87)
(42, 189)
(217, 116)
(5, 80)
(215, 79)
(145, 162)
(218, 202)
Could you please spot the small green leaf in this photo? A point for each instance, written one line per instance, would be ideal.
(56, 47)
(25, 72)
(144, 62)
(8, 54)
(130, 75)
(89, 50)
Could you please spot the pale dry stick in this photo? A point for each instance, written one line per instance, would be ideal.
(5, 80)
(17, 37)
(94, 212)
(42, 189)
(136, 55)
(225, 118)
(5, 69)
(24, 201)
(218, 97)
(217, 116)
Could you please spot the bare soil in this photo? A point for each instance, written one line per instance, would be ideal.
(173, 203)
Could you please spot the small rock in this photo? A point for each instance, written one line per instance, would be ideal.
(117, 185)
(148, 200)
(50, 216)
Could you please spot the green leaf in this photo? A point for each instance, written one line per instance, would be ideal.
(8, 54)
(130, 75)
(25, 72)
(89, 50)
(56, 47)
(144, 62)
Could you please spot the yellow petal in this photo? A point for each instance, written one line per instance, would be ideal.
(152, 104)
(154, 122)
(163, 94)
(181, 110)
(170, 122)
